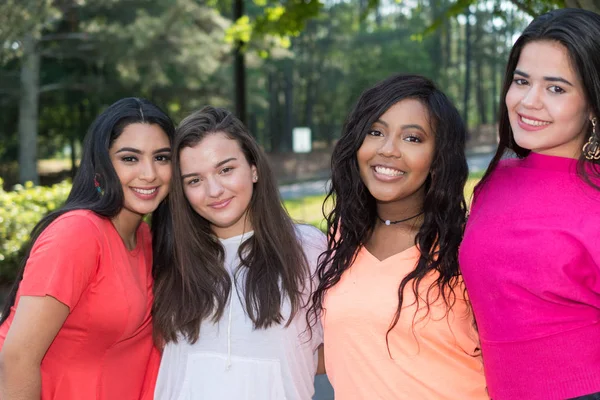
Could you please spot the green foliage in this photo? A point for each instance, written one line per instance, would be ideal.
(275, 18)
(20, 210)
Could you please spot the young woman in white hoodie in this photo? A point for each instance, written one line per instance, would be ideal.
(233, 273)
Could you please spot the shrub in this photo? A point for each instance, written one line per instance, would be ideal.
(20, 210)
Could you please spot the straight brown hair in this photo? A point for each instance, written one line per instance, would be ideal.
(191, 283)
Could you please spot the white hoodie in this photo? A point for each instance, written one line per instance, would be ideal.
(232, 360)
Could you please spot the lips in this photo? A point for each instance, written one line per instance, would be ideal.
(145, 193)
(221, 204)
(531, 124)
(387, 171)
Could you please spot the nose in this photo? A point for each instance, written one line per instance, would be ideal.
(532, 98)
(148, 171)
(389, 148)
(214, 187)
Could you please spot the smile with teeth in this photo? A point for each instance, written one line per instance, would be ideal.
(388, 171)
(533, 122)
(144, 191)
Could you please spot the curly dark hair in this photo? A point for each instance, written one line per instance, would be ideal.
(354, 214)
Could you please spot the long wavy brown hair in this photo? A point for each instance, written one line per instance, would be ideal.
(191, 282)
(354, 214)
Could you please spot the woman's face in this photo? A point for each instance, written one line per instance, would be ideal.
(546, 104)
(218, 182)
(141, 156)
(396, 155)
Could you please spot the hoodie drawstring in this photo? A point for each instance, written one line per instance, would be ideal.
(229, 332)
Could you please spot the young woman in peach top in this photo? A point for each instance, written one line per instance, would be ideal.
(397, 323)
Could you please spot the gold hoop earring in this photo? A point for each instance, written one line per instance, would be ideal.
(591, 150)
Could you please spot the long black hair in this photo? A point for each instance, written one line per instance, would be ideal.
(579, 32)
(191, 283)
(354, 213)
(96, 164)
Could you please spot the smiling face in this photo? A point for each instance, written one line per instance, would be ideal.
(546, 103)
(396, 155)
(141, 156)
(218, 182)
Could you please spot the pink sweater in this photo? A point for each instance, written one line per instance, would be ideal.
(531, 264)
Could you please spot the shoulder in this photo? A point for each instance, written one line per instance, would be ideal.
(497, 178)
(144, 230)
(506, 163)
(310, 236)
(78, 223)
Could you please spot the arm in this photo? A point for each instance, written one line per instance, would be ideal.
(36, 323)
(321, 364)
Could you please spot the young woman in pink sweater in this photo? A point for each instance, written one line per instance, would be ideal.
(531, 251)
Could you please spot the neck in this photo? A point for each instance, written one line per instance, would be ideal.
(398, 221)
(242, 226)
(409, 209)
(126, 223)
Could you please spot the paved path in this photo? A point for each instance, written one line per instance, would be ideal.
(323, 389)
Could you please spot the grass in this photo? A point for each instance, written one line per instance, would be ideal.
(308, 210)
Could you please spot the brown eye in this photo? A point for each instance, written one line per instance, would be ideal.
(413, 139)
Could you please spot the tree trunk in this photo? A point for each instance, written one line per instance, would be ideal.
(467, 85)
(495, 63)
(479, 61)
(239, 68)
(447, 51)
(288, 124)
(311, 89)
(591, 5)
(274, 126)
(435, 51)
(495, 90)
(72, 145)
(28, 111)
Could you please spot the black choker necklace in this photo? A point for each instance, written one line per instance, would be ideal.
(388, 222)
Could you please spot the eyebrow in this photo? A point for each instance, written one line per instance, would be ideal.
(546, 78)
(217, 165)
(137, 151)
(408, 126)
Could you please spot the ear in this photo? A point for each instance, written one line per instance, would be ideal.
(254, 174)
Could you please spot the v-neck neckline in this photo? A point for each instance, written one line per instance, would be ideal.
(407, 254)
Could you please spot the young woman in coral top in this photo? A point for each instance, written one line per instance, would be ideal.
(397, 324)
(77, 324)
(531, 251)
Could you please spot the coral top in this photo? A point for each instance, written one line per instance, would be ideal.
(433, 356)
(104, 350)
(531, 262)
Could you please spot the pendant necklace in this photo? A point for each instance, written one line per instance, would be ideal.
(388, 222)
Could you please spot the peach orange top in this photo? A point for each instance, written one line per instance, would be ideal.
(433, 356)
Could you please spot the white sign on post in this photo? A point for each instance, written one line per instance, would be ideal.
(302, 142)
